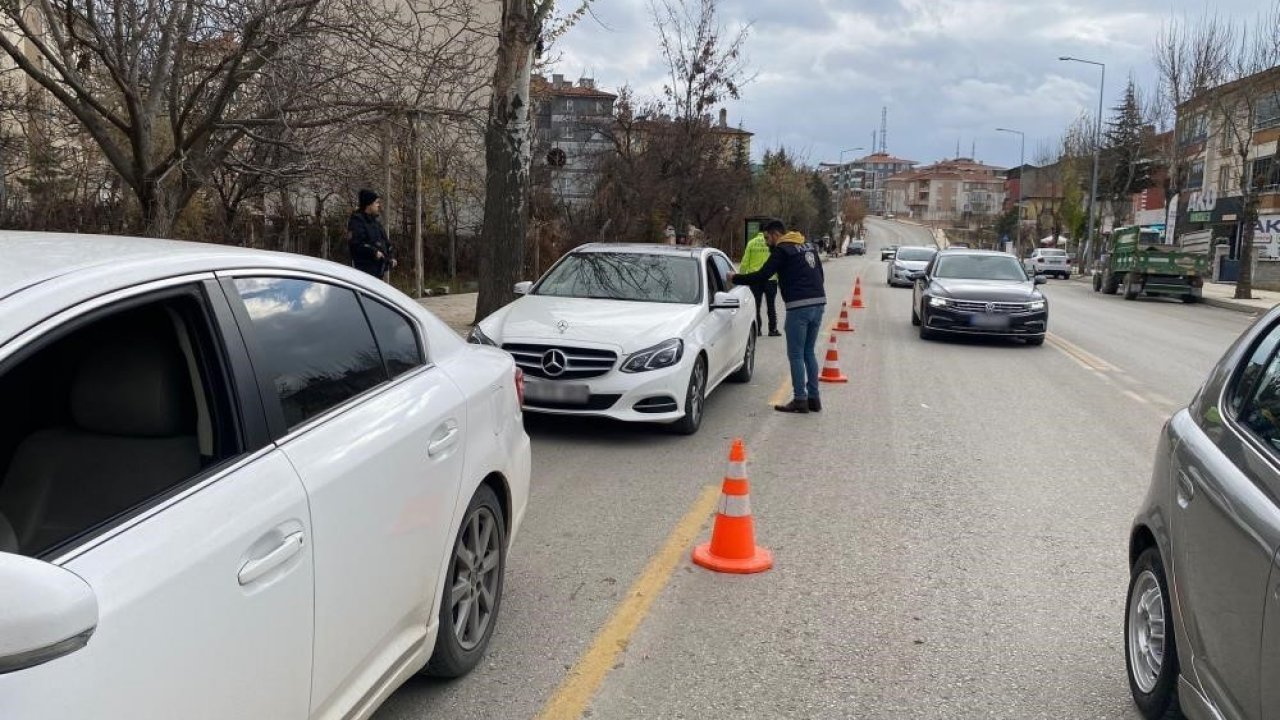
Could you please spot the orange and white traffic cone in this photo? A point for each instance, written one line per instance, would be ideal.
(844, 325)
(857, 294)
(733, 546)
(831, 368)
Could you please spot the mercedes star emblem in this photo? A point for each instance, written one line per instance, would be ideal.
(554, 362)
(562, 326)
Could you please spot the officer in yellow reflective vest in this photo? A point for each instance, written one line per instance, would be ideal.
(753, 258)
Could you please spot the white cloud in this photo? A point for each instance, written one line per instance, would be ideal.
(945, 68)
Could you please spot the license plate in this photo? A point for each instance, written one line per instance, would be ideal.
(989, 322)
(565, 393)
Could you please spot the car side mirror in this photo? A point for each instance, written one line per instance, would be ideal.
(725, 301)
(916, 275)
(48, 612)
(1041, 279)
(523, 288)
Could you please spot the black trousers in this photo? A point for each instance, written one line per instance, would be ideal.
(770, 290)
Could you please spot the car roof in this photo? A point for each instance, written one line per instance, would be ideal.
(975, 251)
(642, 249)
(32, 258)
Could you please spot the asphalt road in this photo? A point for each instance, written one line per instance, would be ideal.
(949, 535)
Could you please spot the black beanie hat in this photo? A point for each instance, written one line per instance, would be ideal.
(367, 198)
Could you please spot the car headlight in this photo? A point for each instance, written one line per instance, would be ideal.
(938, 302)
(657, 357)
(477, 337)
(1035, 305)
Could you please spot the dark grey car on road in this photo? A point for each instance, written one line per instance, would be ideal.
(978, 292)
(1202, 620)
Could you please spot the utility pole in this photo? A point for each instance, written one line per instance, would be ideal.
(1097, 148)
(1022, 179)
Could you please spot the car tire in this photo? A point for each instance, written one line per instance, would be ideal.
(694, 400)
(1154, 689)
(744, 373)
(1131, 291)
(456, 653)
(1190, 299)
(1066, 276)
(1036, 341)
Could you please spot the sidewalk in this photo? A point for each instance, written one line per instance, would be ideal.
(456, 311)
(1222, 295)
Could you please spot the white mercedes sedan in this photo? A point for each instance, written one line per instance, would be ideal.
(239, 484)
(640, 333)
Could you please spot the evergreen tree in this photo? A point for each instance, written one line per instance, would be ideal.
(1126, 165)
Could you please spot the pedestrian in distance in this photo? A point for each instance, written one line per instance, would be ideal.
(371, 249)
(753, 258)
(798, 265)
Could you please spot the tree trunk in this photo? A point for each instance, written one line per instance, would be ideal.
(1248, 218)
(507, 157)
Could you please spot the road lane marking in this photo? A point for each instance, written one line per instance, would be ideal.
(579, 687)
(1085, 358)
(783, 393)
(1136, 397)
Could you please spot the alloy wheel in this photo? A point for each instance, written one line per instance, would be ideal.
(1146, 631)
(477, 562)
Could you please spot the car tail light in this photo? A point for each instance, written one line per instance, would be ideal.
(519, 387)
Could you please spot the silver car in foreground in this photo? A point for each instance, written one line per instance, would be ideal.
(1202, 621)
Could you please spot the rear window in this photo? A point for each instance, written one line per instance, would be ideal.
(916, 253)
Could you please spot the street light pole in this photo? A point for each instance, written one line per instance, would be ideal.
(844, 181)
(1097, 148)
(1022, 175)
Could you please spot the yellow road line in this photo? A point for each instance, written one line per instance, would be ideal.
(1085, 358)
(1136, 397)
(579, 687)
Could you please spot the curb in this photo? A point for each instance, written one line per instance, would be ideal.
(1221, 303)
(1235, 305)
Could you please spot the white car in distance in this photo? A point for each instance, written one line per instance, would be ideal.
(639, 333)
(239, 484)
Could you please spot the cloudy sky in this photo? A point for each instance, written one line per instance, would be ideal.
(948, 70)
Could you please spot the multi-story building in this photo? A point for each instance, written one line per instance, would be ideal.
(958, 192)
(1211, 211)
(865, 178)
(571, 123)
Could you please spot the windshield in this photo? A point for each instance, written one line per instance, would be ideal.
(916, 253)
(980, 267)
(624, 276)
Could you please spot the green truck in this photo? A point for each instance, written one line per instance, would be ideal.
(1136, 262)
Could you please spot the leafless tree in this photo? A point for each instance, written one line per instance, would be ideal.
(526, 28)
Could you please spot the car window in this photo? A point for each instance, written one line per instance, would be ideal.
(124, 409)
(715, 283)
(1261, 363)
(318, 349)
(396, 338)
(980, 267)
(1261, 411)
(635, 277)
(724, 266)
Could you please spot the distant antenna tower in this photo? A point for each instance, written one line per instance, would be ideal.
(973, 150)
(884, 129)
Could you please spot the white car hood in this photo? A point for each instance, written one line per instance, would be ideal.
(627, 326)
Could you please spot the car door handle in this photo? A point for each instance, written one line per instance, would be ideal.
(1186, 487)
(446, 441)
(254, 569)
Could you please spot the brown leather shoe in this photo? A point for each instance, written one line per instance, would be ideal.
(795, 406)
(815, 405)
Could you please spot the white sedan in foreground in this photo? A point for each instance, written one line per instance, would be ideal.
(631, 332)
(238, 484)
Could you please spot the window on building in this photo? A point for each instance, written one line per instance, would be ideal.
(1226, 178)
(1267, 113)
(1195, 179)
(1264, 173)
(566, 132)
(1194, 129)
(569, 106)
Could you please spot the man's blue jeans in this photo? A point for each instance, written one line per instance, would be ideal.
(803, 326)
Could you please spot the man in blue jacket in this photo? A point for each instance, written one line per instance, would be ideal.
(800, 278)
